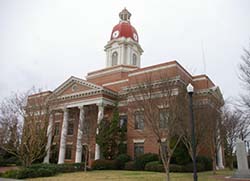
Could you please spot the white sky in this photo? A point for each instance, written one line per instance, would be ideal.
(44, 42)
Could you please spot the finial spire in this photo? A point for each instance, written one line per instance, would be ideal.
(125, 15)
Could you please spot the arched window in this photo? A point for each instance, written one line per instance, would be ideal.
(114, 58)
(134, 60)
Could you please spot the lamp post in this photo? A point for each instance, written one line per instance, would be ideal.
(190, 90)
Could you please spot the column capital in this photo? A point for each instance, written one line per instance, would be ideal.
(81, 107)
(65, 109)
(101, 104)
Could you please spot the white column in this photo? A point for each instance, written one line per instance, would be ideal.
(63, 136)
(100, 117)
(79, 136)
(49, 135)
(220, 159)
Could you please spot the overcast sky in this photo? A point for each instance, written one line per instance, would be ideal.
(44, 42)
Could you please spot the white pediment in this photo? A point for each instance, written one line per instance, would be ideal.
(75, 85)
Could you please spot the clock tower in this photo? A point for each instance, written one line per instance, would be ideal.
(123, 47)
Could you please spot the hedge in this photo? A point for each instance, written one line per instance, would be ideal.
(206, 162)
(102, 164)
(9, 161)
(121, 160)
(156, 166)
(130, 165)
(43, 170)
(142, 160)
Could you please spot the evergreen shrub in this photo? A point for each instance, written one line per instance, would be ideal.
(102, 164)
(121, 160)
(43, 170)
(142, 160)
(130, 165)
(154, 166)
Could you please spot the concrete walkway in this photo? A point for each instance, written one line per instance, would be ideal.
(228, 178)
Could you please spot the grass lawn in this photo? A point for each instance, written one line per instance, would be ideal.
(132, 176)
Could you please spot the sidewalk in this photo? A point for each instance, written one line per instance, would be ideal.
(228, 178)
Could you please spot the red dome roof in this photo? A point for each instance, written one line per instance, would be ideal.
(124, 29)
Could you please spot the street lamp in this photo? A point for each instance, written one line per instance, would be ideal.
(190, 90)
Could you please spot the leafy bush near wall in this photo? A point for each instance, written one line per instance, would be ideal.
(9, 161)
(129, 165)
(155, 166)
(206, 162)
(142, 160)
(43, 170)
(121, 160)
(102, 164)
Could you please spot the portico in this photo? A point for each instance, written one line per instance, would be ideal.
(82, 112)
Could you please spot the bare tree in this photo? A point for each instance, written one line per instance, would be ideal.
(89, 132)
(25, 119)
(200, 115)
(213, 133)
(163, 103)
(244, 76)
(235, 125)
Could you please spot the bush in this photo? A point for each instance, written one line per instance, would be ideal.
(189, 167)
(180, 155)
(158, 167)
(60, 168)
(121, 160)
(176, 168)
(9, 161)
(43, 170)
(130, 165)
(10, 174)
(104, 164)
(43, 165)
(205, 162)
(65, 168)
(142, 160)
(29, 173)
(154, 166)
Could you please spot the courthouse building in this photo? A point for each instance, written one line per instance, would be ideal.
(93, 98)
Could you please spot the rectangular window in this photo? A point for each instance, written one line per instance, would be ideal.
(70, 128)
(123, 121)
(68, 152)
(57, 129)
(139, 120)
(163, 116)
(138, 149)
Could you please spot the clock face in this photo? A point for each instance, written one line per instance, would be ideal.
(135, 37)
(115, 34)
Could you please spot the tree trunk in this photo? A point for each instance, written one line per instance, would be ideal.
(167, 171)
(231, 166)
(86, 160)
(214, 165)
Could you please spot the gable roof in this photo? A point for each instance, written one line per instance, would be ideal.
(73, 79)
(93, 89)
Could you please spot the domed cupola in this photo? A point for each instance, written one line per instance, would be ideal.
(123, 47)
(124, 28)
